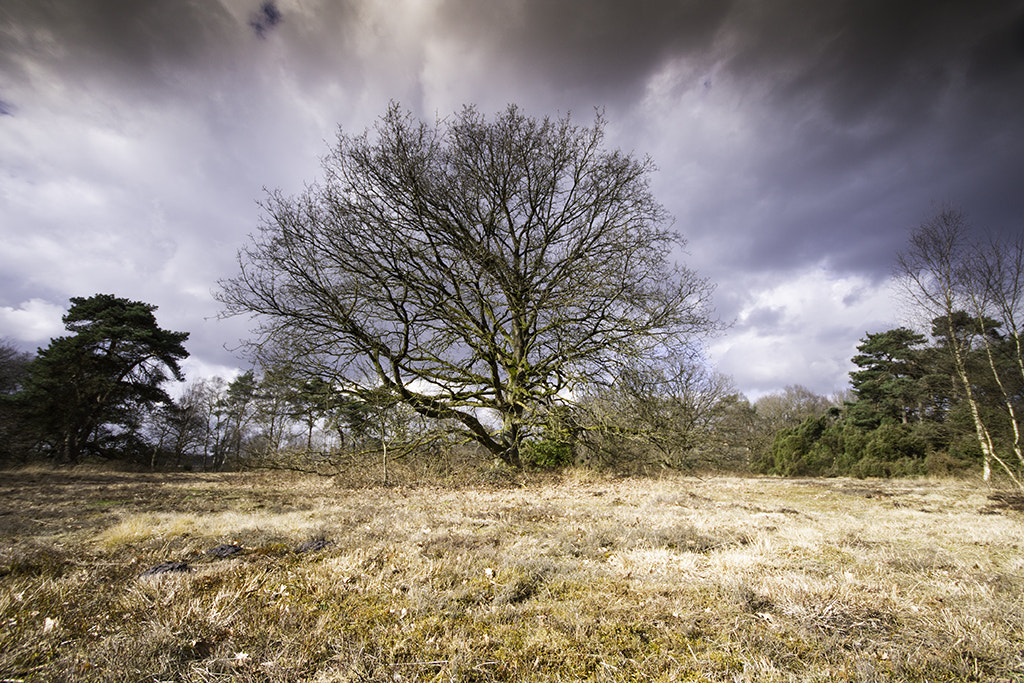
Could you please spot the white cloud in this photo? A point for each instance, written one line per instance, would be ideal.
(195, 370)
(803, 330)
(34, 321)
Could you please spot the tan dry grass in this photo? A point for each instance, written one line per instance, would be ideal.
(577, 577)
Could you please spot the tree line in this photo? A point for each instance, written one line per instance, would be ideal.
(73, 402)
(510, 286)
(94, 396)
(98, 394)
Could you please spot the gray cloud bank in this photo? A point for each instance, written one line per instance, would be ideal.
(797, 140)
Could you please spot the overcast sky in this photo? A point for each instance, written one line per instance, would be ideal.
(797, 140)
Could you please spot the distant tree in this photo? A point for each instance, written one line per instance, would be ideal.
(800, 450)
(176, 430)
(389, 420)
(205, 395)
(13, 369)
(784, 410)
(236, 407)
(352, 420)
(737, 434)
(671, 409)
(796, 414)
(312, 403)
(996, 292)
(215, 416)
(476, 269)
(84, 392)
(791, 406)
(189, 422)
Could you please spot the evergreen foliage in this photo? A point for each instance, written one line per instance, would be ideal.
(87, 393)
(906, 416)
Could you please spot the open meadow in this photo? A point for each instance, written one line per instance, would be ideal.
(580, 576)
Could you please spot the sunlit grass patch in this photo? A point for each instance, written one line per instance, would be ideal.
(134, 529)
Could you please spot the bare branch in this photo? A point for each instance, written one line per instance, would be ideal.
(475, 267)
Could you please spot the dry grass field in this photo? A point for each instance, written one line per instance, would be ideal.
(574, 577)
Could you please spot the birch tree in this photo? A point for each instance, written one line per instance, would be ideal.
(996, 292)
(946, 277)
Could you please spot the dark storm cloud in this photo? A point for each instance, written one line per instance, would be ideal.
(265, 19)
(591, 47)
(863, 112)
(851, 57)
(797, 139)
(860, 58)
(128, 45)
(879, 107)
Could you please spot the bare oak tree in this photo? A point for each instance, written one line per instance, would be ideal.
(475, 269)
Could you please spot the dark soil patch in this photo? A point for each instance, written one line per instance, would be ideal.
(1006, 500)
(864, 491)
(315, 545)
(166, 568)
(224, 550)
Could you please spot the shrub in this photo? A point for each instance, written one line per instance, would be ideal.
(826, 447)
(547, 453)
(946, 464)
(797, 452)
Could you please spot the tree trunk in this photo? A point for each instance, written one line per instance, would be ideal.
(511, 435)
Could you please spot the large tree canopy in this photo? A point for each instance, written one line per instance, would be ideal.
(477, 269)
(99, 377)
